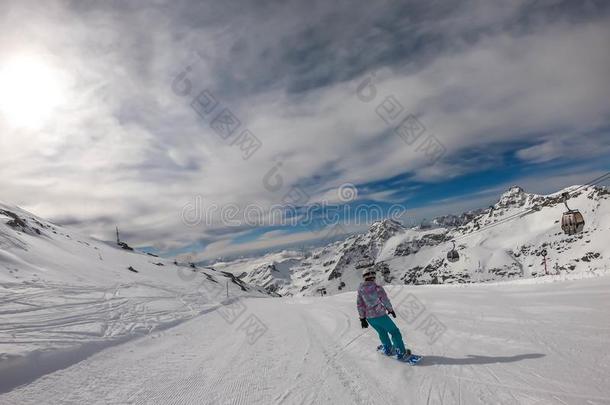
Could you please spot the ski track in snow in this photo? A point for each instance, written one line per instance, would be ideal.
(507, 344)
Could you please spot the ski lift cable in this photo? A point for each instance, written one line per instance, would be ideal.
(512, 216)
(508, 218)
(592, 182)
(602, 180)
(500, 222)
(485, 227)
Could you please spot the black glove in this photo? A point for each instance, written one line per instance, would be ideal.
(364, 323)
(392, 313)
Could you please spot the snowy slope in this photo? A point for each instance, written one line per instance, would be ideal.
(490, 249)
(271, 272)
(77, 326)
(510, 343)
(64, 296)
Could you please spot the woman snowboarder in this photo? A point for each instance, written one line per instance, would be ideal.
(373, 303)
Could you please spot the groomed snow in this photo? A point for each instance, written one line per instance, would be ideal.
(64, 296)
(502, 344)
(77, 326)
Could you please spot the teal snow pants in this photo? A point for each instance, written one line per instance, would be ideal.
(385, 327)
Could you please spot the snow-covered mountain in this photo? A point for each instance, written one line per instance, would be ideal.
(503, 241)
(64, 296)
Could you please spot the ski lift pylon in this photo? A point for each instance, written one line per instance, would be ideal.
(572, 221)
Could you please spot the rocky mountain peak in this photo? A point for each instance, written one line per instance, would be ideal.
(502, 246)
(385, 229)
(514, 196)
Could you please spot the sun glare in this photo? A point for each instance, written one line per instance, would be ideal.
(30, 91)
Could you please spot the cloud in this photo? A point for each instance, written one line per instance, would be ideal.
(484, 78)
(566, 146)
(279, 239)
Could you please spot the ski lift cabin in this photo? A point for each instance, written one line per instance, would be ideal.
(453, 256)
(572, 221)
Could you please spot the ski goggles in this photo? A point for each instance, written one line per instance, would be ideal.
(370, 273)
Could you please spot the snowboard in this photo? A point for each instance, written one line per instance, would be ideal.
(411, 359)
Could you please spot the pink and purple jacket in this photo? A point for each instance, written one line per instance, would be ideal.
(372, 301)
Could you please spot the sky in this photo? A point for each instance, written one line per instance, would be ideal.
(187, 123)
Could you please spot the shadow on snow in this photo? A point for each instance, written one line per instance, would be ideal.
(475, 359)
